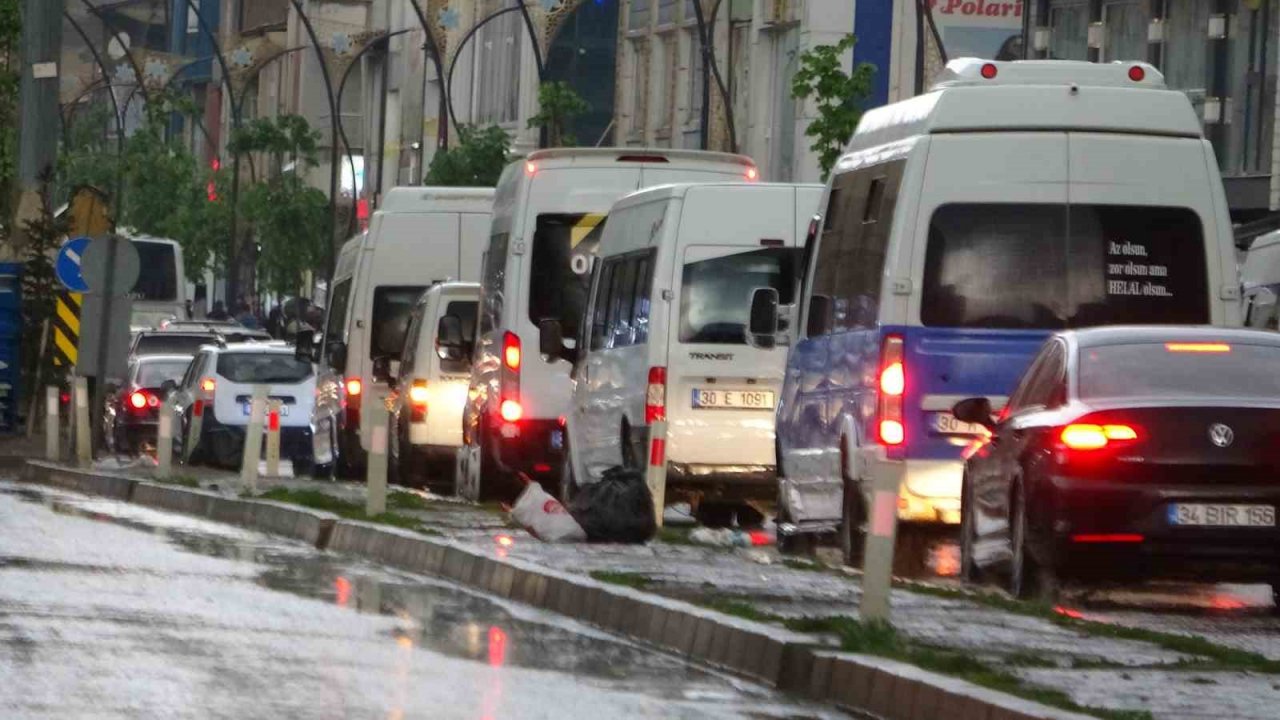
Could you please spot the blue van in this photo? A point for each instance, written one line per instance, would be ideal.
(960, 228)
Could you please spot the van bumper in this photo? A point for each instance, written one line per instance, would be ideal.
(928, 490)
(723, 482)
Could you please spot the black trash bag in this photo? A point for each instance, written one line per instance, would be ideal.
(617, 509)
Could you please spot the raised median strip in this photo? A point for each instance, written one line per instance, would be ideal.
(796, 662)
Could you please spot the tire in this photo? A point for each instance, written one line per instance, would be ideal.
(224, 450)
(496, 483)
(1028, 579)
(853, 518)
(970, 573)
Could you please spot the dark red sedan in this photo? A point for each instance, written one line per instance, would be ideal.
(1129, 453)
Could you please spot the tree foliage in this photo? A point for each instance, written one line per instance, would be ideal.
(45, 233)
(10, 79)
(558, 105)
(839, 96)
(476, 161)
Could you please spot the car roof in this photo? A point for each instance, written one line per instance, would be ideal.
(163, 357)
(171, 333)
(1134, 334)
(278, 347)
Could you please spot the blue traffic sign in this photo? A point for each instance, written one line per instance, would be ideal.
(67, 266)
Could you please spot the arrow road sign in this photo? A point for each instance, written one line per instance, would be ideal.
(67, 265)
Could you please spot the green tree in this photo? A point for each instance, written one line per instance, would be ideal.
(10, 79)
(45, 233)
(476, 161)
(558, 105)
(839, 97)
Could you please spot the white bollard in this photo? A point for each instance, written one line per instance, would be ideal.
(52, 424)
(84, 440)
(376, 468)
(877, 554)
(655, 475)
(164, 441)
(273, 439)
(253, 440)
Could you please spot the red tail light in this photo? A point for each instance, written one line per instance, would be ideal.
(137, 400)
(511, 355)
(890, 424)
(354, 387)
(655, 396)
(1086, 436)
(418, 401)
(752, 174)
(511, 410)
(208, 385)
(509, 407)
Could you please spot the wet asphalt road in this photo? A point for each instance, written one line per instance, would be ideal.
(111, 610)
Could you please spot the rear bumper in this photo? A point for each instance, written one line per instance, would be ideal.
(295, 441)
(723, 482)
(534, 447)
(1079, 508)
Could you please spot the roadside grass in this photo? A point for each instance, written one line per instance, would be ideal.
(675, 535)
(317, 500)
(636, 581)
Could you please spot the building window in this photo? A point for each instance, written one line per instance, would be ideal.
(693, 77)
(639, 61)
(497, 58)
(1069, 31)
(667, 12)
(1126, 31)
(666, 48)
(639, 14)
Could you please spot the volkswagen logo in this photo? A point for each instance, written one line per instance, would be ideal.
(1221, 435)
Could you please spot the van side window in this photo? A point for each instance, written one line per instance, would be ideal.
(828, 250)
(337, 319)
(465, 311)
(411, 341)
(600, 312)
(620, 303)
(863, 245)
(493, 282)
(644, 290)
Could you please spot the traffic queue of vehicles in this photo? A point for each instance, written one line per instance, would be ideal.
(810, 345)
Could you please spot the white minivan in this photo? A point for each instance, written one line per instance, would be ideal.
(425, 423)
(665, 339)
(548, 215)
(959, 230)
(419, 237)
(1260, 280)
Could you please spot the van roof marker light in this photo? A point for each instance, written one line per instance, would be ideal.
(530, 169)
(753, 174)
(1192, 347)
(989, 71)
(1137, 74)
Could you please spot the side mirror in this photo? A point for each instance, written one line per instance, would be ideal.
(168, 386)
(304, 345)
(762, 325)
(975, 410)
(382, 370)
(338, 355)
(449, 342)
(819, 322)
(1262, 311)
(551, 341)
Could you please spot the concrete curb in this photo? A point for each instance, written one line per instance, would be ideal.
(790, 661)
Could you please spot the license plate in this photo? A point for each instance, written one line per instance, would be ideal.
(557, 439)
(732, 399)
(247, 409)
(947, 424)
(1222, 515)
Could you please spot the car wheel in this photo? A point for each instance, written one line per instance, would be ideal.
(1028, 579)
(495, 482)
(853, 531)
(225, 450)
(969, 570)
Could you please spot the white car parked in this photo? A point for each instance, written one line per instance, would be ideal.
(664, 339)
(222, 379)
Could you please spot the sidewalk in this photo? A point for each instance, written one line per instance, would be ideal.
(1051, 656)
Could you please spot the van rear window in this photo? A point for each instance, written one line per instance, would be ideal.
(392, 307)
(1043, 266)
(560, 272)
(715, 294)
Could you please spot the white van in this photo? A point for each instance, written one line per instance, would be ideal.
(160, 293)
(419, 237)
(430, 387)
(958, 231)
(1260, 281)
(547, 219)
(672, 285)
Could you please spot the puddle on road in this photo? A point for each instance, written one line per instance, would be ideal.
(439, 616)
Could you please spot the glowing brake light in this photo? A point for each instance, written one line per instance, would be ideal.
(1083, 436)
(891, 426)
(655, 396)
(354, 386)
(530, 169)
(1188, 347)
(208, 384)
(418, 392)
(752, 174)
(511, 410)
(137, 399)
(511, 351)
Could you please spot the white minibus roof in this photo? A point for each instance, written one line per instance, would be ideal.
(982, 95)
(437, 199)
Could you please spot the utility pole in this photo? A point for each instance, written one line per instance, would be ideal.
(38, 100)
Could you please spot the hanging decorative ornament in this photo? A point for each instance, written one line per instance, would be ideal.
(340, 43)
(156, 71)
(449, 18)
(125, 75)
(550, 6)
(241, 57)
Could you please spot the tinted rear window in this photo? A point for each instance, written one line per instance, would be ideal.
(153, 374)
(262, 368)
(160, 281)
(560, 273)
(1152, 370)
(1050, 267)
(172, 344)
(392, 307)
(715, 295)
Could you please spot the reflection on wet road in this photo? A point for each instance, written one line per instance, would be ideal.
(113, 610)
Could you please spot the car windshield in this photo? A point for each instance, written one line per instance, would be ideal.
(154, 374)
(172, 344)
(262, 368)
(1180, 370)
(1054, 266)
(715, 296)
